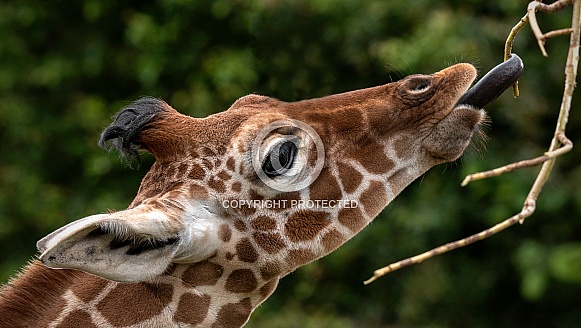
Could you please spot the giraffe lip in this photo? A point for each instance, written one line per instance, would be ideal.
(493, 84)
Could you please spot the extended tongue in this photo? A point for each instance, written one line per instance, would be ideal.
(493, 84)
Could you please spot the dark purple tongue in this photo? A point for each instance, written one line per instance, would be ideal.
(493, 84)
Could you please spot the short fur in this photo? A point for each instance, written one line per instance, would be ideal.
(24, 301)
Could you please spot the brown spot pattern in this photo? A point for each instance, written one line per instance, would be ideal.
(241, 281)
(352, 218)
(269, 270)
(143, 301)
(233, 314)
(230, 163)
(203, 273)
(245, 211)
(236, 186)
(373, 159)
(206, 163)
(197, 191)
(325, 187)
(78, 318)
(305, 225)
(298, 257)
(350, 177)
(401, 146)
(284, 201)
(263, 223)
(374, 198)
(241, 169)
(151, 184)
(192, 309)
(254, 195)
(270, 242)
(347, 120)
(241, 147)
(224, 176)
(50, 315)
(197, 173)
(182, 169)
(217, 184)
(240, 225)
(90, 287)
(224, 232)
(268, 288)
(205, 151)
(246, 251)
(332, 240)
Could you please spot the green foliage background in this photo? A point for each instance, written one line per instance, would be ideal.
(67, 66)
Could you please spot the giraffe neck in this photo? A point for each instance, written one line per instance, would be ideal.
(196, 262)
(26, 299)
(225, 289)
(44, 297)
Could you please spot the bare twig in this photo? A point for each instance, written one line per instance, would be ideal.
(508, 46)
(560, 144)
(527, 210)
(531, 11)
(567, 145)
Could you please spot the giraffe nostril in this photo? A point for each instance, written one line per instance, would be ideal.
(422, 86)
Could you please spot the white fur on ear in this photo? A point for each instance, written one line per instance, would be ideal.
(132, 245)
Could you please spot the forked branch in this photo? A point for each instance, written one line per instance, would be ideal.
(560, 144)
(531, 12)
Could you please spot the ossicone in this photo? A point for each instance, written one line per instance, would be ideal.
(146, 124)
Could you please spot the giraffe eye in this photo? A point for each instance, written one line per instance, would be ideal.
(280, 159)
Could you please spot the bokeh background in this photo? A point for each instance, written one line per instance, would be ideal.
(67, 66)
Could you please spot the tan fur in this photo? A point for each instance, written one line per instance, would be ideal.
(377, 141)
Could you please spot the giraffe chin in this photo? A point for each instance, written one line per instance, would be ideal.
(450, 137)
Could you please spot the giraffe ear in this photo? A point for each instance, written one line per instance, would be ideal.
(132, 245)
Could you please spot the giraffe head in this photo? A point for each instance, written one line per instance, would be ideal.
(266, 186)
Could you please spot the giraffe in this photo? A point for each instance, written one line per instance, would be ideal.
(212, 228)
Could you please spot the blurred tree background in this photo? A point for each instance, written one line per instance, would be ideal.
(67, 66)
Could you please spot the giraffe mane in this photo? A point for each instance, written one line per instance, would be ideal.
(23, 301)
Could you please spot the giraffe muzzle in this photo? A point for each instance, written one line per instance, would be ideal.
(493, 84)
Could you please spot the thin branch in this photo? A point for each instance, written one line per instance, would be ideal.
(531, 11)
(556, 33)
(508, 46)
(560, 144)
(527, 210)
(567, 146)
